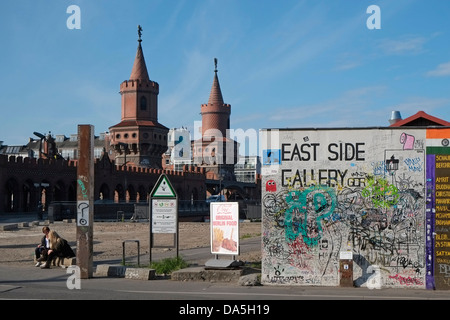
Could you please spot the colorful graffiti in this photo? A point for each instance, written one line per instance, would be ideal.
(306, 210)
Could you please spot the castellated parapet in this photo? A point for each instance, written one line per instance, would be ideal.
(21, 175)
(211, 107)
(142, 85)
(11, 163)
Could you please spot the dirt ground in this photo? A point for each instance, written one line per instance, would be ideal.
(17, 246)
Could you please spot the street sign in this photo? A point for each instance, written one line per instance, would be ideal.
(164, 215)
(83, 213)
(163, 188)
(163, 212)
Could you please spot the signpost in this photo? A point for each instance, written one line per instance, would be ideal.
(85, 200)
(163, 212)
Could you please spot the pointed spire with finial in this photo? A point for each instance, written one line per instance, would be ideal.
(215, 97)
(139, 33)
(139, 71)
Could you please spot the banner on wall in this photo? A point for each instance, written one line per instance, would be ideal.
(224, 217)
(438, 209)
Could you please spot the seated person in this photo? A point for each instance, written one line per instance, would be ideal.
(41, 250)
(59, 247)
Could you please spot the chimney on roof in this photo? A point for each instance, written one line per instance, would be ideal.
(395, 117)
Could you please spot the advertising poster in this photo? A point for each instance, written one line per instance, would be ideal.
(224, 228)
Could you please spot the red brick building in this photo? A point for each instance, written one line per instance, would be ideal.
(138, 141)
(26, 181)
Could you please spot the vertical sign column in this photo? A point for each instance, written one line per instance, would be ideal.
(442, 222)
(430, 213)
(85, 203)
(163, 211)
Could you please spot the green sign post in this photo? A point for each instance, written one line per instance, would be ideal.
(163, 213)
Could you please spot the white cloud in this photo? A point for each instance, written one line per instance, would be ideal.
(441, 70)
(415, 104)
(412, 45)
(347, 108)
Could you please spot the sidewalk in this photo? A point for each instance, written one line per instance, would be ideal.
(19, 217)
(28, 282)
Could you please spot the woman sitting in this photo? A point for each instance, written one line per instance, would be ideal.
(58, 248)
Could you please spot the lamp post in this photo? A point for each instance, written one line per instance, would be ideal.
(125, 148)
(42, 137)
(39, 205)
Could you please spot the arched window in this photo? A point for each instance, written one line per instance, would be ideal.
(143, 103)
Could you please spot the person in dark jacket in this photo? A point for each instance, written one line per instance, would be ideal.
(41, 250)
(59, 247)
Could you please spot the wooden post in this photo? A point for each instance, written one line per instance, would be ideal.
(85, 200)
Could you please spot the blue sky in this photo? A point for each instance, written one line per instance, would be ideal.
(282, 64)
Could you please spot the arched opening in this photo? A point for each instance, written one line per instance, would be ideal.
(28, 197)
(104, 193)
(72, 192)
(119, 194)
(143, 103)
(12, 195)
(46, 194)
(131, 193)
(59, 191)
(142, 194)
(194, 194)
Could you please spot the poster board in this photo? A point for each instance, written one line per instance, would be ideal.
(224, 221)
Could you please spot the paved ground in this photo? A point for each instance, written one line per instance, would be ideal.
(18, 244)
(19, 279)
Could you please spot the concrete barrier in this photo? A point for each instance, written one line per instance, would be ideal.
(140, 273)
(107, 270)
(67, 262)
(117, 271)
(10, 226)
(211, 275)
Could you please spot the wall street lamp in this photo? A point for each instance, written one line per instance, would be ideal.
(41, 137)
(392, 165)
(124, 146)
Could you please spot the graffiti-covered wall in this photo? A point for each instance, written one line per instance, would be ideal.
(358, 193)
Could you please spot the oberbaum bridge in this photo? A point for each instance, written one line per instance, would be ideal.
(40, 177)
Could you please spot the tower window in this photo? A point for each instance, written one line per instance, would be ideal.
(143, 103)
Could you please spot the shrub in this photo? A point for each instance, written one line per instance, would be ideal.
(167, 265)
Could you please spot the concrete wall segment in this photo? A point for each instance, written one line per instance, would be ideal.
(359, 190)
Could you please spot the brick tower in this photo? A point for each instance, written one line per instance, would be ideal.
(215, 150)
(139, 139)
